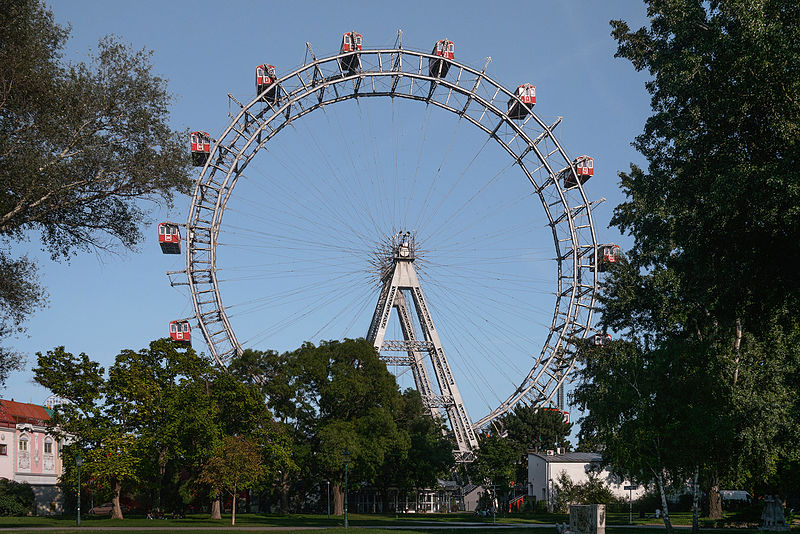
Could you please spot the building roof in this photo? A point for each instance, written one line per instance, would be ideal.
(469, 488)
(13, 413)
(569, 457)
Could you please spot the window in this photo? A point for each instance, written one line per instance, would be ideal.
(48, 447)
(23, 444)
(3, 449)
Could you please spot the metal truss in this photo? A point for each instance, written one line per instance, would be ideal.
(399, 280)
(470, 94)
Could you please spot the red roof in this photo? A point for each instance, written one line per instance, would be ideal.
(21, 412)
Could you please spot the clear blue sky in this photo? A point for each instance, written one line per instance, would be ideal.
(100, 305)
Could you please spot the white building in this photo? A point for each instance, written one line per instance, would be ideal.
(544, 469)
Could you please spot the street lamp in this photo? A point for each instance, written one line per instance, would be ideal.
(346, 457)
(79, 463)
(328, 495)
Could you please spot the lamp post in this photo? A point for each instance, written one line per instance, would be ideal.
(79, 463)
(346, 457)
(328, 495)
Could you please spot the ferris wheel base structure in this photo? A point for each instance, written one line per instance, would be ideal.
(401, 284)
(436, 79)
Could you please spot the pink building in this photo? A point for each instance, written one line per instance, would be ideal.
(29, 454)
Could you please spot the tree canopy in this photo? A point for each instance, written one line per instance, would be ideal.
(703, 379)
(236, 465)
(82, 144)
(339, 396)
(502, 461)
(157, 418)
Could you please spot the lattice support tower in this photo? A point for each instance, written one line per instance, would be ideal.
(401, 285)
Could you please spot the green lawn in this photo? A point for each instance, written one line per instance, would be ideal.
(365, 523)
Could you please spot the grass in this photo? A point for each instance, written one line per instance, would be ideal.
(365, 523)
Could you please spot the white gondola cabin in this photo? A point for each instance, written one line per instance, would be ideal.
(266, 83)
(601, 340)
(351, 42)
(584, 169)
(444, 50)
(169, 237)
(180, 331)
(606, 256)
(525, 93)
(200, 145)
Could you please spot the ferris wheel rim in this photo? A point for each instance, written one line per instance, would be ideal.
(581, 293)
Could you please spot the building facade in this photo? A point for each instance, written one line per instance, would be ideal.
(29, 454)
(544, 469)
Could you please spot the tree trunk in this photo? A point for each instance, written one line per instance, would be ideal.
(338, 500)
(162, 468)
(233, 510)
(664, 507)
(116, 512)
(714, 499)
(215, 509)
(284, 491)
(696, 502)
(737, 344)
(385, 499)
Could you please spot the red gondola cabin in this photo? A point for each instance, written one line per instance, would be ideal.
(601, 339)
(525, 93)
(180, 331)
(201, 147)
(266, 83)
(438, 67)
(169, 237)
(606, 255)
(584, 168)
(351, 42)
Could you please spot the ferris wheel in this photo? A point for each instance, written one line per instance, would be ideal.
(348, 168)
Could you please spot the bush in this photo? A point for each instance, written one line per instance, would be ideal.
(16, 498)
(593, 491)
(530, 505)
(648, 502)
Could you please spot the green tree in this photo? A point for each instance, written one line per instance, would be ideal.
(593, 491)
(339, 396)
(114, 463)
(708, 289)
(178, 406)
(81, 144)
(419, 461)
(236, 465)
(495, 463)
(633, 413)
(529, 427)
